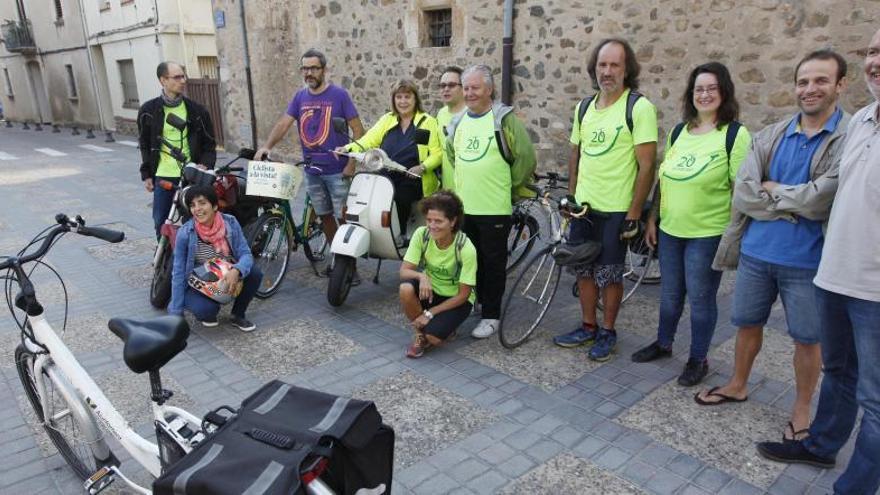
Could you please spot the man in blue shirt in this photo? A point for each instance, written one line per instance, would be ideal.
(782, 198)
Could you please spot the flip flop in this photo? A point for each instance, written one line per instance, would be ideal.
(724, 398)
(794, 434)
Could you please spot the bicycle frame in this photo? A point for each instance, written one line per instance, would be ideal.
(81, 392)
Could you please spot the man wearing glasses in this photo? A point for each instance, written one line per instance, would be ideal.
(196, 141)
(453, 106)
(313, 108)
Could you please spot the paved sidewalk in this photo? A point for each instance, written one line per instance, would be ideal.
(471, 417)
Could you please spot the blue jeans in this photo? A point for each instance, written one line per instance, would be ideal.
(850, 338)
(758, 283)
(205, 308)
(162, 201)
(686, 269)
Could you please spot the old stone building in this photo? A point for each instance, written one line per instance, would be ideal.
(370, 43)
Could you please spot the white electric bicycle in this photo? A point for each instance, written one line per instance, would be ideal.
(72, 408)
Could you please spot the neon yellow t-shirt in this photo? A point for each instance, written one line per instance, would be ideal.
(696, 182)
(607, 169)
(168, 166)
(447, 171)
(440, 264)
(482, 177)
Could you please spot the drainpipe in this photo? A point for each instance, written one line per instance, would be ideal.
(94, 77)
(247, 74)
(182, 34)
(507, 55)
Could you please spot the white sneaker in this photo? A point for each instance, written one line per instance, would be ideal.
(485, 328)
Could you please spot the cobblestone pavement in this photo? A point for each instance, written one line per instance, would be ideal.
(470, 417)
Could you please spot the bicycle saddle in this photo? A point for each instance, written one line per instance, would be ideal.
(150, 343)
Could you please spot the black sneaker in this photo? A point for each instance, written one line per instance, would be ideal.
(793, 452)
(651, 352)
(242, 323)
(694, 372)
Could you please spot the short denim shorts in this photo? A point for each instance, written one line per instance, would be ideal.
(327, 192)
(758, 283)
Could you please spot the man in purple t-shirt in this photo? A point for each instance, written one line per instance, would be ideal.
(313, 108)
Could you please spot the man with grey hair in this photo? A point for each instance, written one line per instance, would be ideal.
(848, 302)
(493, 158)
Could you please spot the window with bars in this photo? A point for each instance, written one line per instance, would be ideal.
(129, 84)
(208, 67)
(439, 23)
(71, 82)
(59, 12)
(7, 83)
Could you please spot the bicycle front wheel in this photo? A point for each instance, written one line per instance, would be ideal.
(58, 421)
(529, 299)
(270, 242)
(521, 240)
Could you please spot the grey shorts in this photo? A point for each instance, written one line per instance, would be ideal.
(327, 192)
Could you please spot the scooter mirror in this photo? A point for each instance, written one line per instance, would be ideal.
(176, 122)
(246, 153)
(422, 136)
(340, 126)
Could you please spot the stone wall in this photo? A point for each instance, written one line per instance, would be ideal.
(371, 43)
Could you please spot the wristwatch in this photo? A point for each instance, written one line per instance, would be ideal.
(428, 314)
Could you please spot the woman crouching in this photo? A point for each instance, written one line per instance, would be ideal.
(438, 274)
(213, 264)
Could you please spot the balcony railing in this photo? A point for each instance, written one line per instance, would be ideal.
(18, 36)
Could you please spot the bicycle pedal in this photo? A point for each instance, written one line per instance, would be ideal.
(97, 482)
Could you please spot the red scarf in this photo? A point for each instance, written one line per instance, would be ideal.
(215, 235)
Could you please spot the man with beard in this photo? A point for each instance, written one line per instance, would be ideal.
(781, 199)
(453, 106)
(196, 141)
(848, 297)
(313, 108)
(611, 168)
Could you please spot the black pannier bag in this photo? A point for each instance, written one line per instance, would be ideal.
(263, 447)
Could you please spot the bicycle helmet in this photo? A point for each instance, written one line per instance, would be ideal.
(207, 279)
(577, 254)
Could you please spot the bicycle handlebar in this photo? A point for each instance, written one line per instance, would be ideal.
(64, 225)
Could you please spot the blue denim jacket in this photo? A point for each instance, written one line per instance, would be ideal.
(185, 257)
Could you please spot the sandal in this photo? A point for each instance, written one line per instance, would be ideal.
(714, 392)
(795, 435)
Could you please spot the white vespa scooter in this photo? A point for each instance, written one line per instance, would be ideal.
(371, 228)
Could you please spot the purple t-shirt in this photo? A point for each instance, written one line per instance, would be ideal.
(313, 114)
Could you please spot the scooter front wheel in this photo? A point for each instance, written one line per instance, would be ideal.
(340, 279)
(160, 287)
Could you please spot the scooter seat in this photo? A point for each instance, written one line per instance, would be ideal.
(150, 343)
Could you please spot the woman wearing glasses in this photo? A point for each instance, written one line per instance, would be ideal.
(395, 134)
(702, 156)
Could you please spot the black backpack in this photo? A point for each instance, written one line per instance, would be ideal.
(729, 141)
(630, 104)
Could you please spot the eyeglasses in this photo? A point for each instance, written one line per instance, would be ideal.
(178, 77)
(706, 90)
(448, 85)
(311, 68)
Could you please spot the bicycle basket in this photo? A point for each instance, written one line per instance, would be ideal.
(577, 254)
